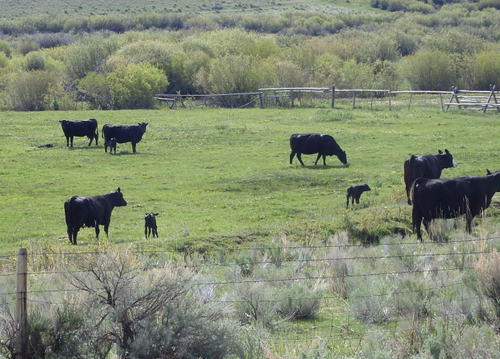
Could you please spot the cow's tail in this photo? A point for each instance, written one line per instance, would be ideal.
(67, 212)
(415, 187)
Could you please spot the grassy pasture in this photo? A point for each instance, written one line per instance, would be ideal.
(220, 177)
(12, 8)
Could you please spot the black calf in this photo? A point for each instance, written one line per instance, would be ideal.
(150, 225)
(354, 192)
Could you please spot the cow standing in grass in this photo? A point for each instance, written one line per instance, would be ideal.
(323, 145)
(122, 134)
(80, 128)
(426, 166)
(451, 197)
(91, 212)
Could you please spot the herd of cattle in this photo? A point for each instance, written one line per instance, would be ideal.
(431, 196)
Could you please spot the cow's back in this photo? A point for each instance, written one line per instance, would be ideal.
(131, 133)
(79, 128)
(307, 143)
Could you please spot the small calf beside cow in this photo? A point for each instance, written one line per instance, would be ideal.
(112, 134)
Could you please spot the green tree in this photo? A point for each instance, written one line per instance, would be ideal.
(97, 91)
(487, 69)
(133, 85)
(29, 91)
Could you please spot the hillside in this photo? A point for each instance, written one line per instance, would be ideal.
(14, 8)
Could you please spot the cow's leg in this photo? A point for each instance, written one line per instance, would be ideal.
(72, 141)
(468, 222)
(324, 160)
(67, 141)
(347, 202)
(91, 138)
(299, 156)
(106, 145)
(70, 235)
(155, 232)
(292, 155)
(317, 159)
(133, 147)
(75, 233)
(408, 194)
(357, 199)
(97, 231)
(146, 232)
(427, 223)
(417, 221)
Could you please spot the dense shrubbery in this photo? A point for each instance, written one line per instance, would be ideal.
(428, 51)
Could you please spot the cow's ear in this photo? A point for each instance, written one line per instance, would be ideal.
(440, 152)
(488, 172)
(157, 214)
(118, 190)
(447, 152)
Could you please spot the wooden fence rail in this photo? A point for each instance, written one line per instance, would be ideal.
(485, 100)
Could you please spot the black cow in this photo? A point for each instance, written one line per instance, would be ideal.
(451, 197)
(426, 166)
(150, 225)
(91, 212)
(130, 133)
(354, 192)
(112, 145)
(323, 145)
(80, 128)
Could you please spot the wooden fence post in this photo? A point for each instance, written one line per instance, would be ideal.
(354, 100)
(21, 310)
(333, 96)
(390, 104)
(261, 101)
(441, 99)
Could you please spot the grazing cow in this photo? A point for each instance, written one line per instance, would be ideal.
(451, 197)
(354, 192)
(426, 166)
(80, 128)
(131, 133)
(91, 212)
(150, 224)
(112, 145)
(323, 145)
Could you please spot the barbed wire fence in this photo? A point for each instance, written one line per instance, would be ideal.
(344, 327)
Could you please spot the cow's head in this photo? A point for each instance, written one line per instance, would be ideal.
(151, 214)
(488, 172)
(118, 199)
(142, 126)
(447, 160)
(342, 156)
(366, 187)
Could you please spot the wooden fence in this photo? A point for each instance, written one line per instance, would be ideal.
(289, 96)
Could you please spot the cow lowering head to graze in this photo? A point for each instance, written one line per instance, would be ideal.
(122, 134)
(354, 193)
(80, 128)
(150, 225)
(112, 145)
(426, 166)
(91, 212)
(450, 198)
(323, 145)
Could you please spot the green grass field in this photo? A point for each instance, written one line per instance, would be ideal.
(221, 177)
(13, 8)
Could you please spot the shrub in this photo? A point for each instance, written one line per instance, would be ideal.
(298, 301)
(34, 62)
(5, 48)
(4, 60)
(89, 55)
(133, 85)
(26, 46)
(488, 272)
(96, 90)
(429, 70)
(486, 70)
(28, 91)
